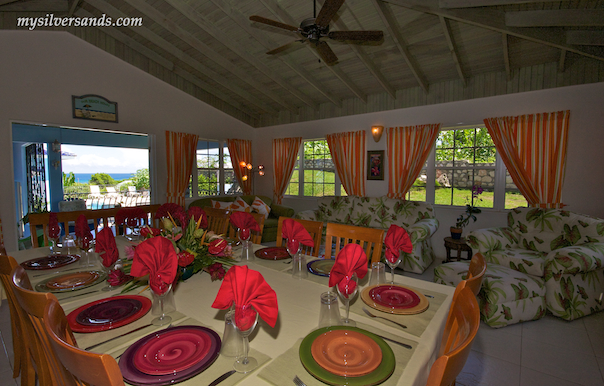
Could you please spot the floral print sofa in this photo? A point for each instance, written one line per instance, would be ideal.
(416, 217)
(564, 249)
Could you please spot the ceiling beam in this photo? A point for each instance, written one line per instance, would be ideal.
(207, 51)
(585, 38)
(562, 61)
(72, 5)
(495, 20)
(157, 40)
(202, 22)
(506, 55)
(364, 58)
(556, 18)
(452, 48)
(400, 42)
(286, 18)
(4, 2)
(268, 43)
(486, 3)
(35, 6)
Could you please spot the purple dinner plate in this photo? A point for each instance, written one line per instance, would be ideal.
(136, 377)
(49, 262)
(394, 296)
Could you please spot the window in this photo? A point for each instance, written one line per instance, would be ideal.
(464, 158)
(314, 174)
(215, 174)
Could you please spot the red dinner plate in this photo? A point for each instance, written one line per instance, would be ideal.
(49, 262)
(107, 314)
(172, 351)
(72, 280)
(394, 296)
(272, 253)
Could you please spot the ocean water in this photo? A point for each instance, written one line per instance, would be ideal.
(85, 177)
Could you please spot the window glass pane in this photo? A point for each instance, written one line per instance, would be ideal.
(513, 197)
(317, 171)
(207, 181)
(442, 195)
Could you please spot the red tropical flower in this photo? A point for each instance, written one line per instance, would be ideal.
(216, 271)
(196, 212)
(185, 258)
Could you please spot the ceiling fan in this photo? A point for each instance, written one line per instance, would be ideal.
(317, 27)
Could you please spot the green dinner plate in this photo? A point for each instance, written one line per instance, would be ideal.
(383, 372)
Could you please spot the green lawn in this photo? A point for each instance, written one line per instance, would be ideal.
(462, 196)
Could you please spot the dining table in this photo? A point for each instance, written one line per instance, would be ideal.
(278, 349)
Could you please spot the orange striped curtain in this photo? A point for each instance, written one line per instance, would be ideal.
(285, 152)
(241, 151)
(533, 148)
(407, 150)
(180, 152)
(349, 156)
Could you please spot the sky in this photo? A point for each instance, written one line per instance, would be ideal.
(100, 159)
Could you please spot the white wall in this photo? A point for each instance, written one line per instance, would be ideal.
(41, 70)
(584, 181)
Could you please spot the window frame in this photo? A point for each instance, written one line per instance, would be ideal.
(194, 187)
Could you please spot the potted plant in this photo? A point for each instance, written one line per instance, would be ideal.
(470, 213)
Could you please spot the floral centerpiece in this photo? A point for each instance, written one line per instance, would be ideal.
(197, 248)
(470, 213)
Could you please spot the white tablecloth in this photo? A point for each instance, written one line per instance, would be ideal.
(298, 314)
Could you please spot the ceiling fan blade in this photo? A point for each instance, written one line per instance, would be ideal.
(329, 10)
(263, 20)
(328, 56)
(372, 36)
(285, 47)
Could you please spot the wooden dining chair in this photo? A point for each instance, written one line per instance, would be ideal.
(459, 333)
(22, 364)
(476, 271)
(91, 368)
(218, 220)
(256, 237)
(315, 228)
(370, 239)
(49, 369)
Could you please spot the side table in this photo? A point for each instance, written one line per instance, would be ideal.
(459, 245)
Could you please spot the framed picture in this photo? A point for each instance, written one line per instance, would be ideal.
(94, 107)
(375, 164)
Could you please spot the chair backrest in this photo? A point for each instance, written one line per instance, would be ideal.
(218, 220)
(476, 271)
(370, 239)
(256, 237)
(98, 215)
(95, 190)
(314, 228)
(460, 331)
(94, 369)
(48, 367)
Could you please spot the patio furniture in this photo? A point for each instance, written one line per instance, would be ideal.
(112, 193)
(416, 217)
(132, 191)
(95, 192)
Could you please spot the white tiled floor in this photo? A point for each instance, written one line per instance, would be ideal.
(547, 352)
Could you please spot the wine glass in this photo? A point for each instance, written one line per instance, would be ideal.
(245, 324)
(246, 251)
(347, 291)
(393, 265)
(299, 269)
(162, 305)
(53, 233)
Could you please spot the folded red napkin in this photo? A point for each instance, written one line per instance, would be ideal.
(245, 222)
(397, 239)
(82, 231)
(295, 233)
(250, 293)
(54, 229)
(130, 216)
(199, 216)
(105, 242)
(351, 259)
(155, 256)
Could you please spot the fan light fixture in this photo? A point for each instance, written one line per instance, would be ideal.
(377, 132)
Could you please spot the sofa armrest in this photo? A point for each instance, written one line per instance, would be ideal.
(282, 211)
(574, 259)
(491, 239)
(310, 214)
(423, 229)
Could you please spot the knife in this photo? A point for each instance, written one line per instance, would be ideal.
(222, 377)
(405, 345)
(119, 336)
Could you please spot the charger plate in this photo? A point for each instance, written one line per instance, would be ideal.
(272, 253)
(132, 375)
(107, 314)
(71, 281)
(395, 299)
(49, 262)
(321, 267)
(377, 376)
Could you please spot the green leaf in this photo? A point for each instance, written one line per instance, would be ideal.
(559, 242)
(507, 314)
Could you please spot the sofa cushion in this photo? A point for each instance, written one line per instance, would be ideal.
(335, 209)
(260, 207)
(522, 260)
(221, 204)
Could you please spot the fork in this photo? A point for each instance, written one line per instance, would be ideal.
(381, 317)
(298, 381)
